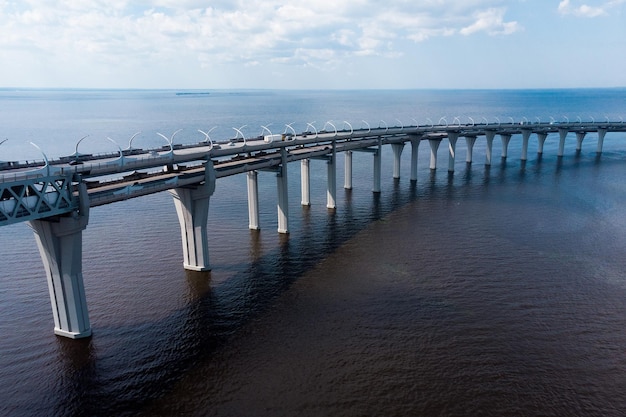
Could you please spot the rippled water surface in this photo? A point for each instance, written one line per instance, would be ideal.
(493, 291)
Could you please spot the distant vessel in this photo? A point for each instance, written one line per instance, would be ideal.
(193, 93)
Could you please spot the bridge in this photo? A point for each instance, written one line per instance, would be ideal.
(54, 196)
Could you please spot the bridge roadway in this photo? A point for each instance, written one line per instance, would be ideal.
(54, 196)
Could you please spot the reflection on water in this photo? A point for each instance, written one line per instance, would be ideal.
(495, 290)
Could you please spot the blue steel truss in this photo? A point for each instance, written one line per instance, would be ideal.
(36, 198)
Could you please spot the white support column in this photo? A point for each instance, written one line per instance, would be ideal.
(305, 182)
(562, 135)
(253, 200)
(60, 246)
(469, 141)
(452, 138)
(415, 144)
(579, 140)
(331, 189)
(541, 139)
(506, 138)
(283, 196)
(434, 145)
(397, 154)
(489, 135)
(525, 137)
(377, 167)
(192, 207)
(601, 133)
(347, 182)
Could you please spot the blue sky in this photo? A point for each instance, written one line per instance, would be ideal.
(312, 44)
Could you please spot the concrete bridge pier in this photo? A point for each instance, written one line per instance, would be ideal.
(305, 182)
(601, 133)
(541, 139)
(434, 145)
(469, 141)
(192, 207)
(489, 135)
(579, 140)
(415, 143)
(347, 182)
(452, 138)
(525, 139)
(331, 190)
(506, 138)
(253, 200)
(60, 246)
(397, 154)
(562, 135)
(378, 166)
(283, 196)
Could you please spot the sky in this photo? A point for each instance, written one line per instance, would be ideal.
(312, 44)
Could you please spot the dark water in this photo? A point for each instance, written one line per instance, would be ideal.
(495, 291)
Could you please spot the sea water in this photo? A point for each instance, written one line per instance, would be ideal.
(496, 290)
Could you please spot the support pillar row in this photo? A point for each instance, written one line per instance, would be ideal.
(253, 199)
(283, 195)
(331, 189)
(347, 182)
(397, 155)
(192, 207)
(489, 135)
(305, 182)
(415, 144)
(60, 246)
(452, 138)
(601, 133)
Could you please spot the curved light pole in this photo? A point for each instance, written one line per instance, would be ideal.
(498, 120)
(417, 124)
(330, 123)
(267, 129)
(431, 122)
(471, 120)
(566, 119)
(350, 126)
(385, 123)
(368, 126)
(512, 120)
(77, 143)
(207, 137)
(525, 119)
(538, 119)
(169, 142)
(121, 158)
(45, 158)
(593, 120)
(580, 121)
(552, 121)
(445, 121)
(401, 124)
(289, 127)
(130, 142)
(313, 127)
(239, 132)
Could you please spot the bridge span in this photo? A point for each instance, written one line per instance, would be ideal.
(54, 195)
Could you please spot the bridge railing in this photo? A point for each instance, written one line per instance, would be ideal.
(35, 198)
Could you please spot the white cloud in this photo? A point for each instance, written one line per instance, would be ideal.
(492, 22)
(584, 10)
(252, 30)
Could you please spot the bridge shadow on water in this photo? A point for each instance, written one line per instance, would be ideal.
(127, 370)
